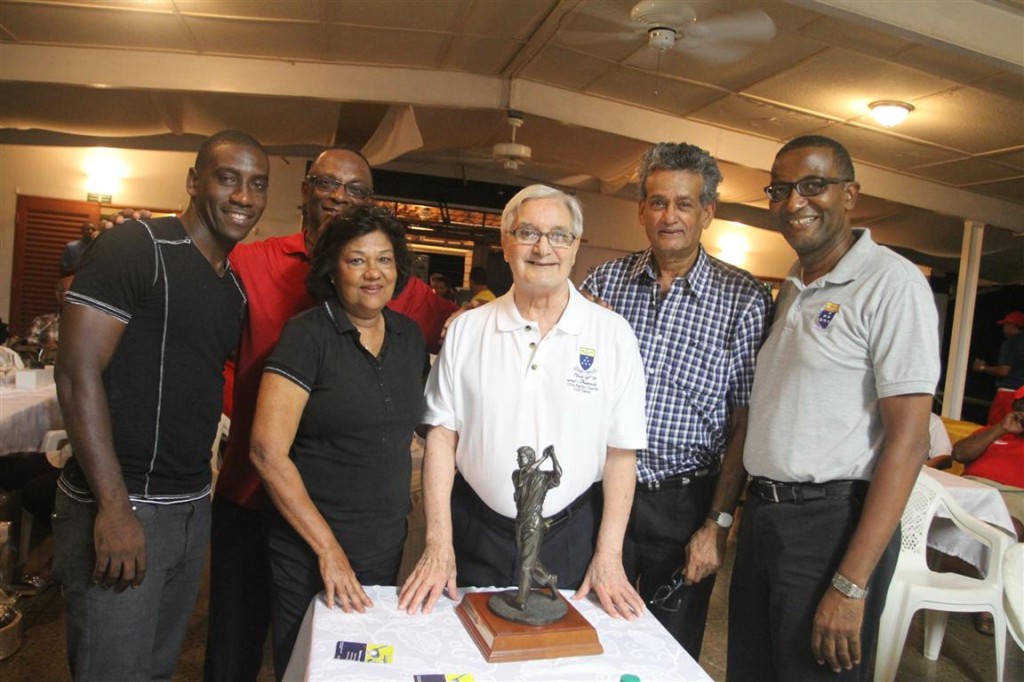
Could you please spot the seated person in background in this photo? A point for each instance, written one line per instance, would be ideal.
(338, 402)
(994, 456)
(478, 286)
(1008, 371)
(541, 366)
(42, 335)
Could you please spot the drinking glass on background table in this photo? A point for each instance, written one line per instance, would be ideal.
(6, 369)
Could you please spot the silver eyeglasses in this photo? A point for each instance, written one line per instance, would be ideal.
(528, 236)
(808, 187)
(325, 183)
(668, 597)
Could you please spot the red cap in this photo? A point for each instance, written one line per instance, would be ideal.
(1019, 394)
(1014, 318)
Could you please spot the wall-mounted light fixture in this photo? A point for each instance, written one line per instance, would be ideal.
(104, 171)
(890, 113)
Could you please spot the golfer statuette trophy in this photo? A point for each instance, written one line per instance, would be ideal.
(527, 623)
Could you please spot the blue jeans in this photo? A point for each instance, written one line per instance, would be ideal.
(135, 634)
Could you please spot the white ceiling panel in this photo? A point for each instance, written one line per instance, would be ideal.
(884, 150)
(420, 15)
(969, 119)
(1006, 83)
(662, 94)
(282, 40)
(36, 23)
(752, 116)
(513, 20)
(565, 68)
(380, 46)
(480, 55)
(1012, 190)
(1011, 157)
(842, 83)
(261, 9)
(855, 37)
(945, 64)
(964, 172)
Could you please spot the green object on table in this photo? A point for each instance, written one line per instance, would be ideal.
(629, 678)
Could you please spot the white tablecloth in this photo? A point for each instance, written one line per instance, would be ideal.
(437, 643)
(980, 501)
(26, 416)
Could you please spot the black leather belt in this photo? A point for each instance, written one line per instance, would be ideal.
(682, 480)
(776, 491)
(462, 488)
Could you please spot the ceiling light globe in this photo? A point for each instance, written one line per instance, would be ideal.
(890, 113)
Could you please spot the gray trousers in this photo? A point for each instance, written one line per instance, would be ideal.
(135, 634)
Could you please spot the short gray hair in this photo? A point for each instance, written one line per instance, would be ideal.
(511, 212)
(680, 156)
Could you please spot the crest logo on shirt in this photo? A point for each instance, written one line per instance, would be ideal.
(827, 314)
(587, 358)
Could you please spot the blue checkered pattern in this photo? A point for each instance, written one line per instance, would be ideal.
(698, 345)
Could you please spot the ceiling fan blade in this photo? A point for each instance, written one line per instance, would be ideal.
(746, 26)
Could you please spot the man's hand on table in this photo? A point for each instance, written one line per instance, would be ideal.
(607, 578)
(434, 573)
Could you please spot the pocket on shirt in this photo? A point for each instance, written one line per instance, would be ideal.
(702, 374)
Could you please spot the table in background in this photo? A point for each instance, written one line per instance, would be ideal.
(437, 643)
(980, 501)
(26, 416)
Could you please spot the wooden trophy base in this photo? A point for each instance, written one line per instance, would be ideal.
(500, 640)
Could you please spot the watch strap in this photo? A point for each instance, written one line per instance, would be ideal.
(847, 588)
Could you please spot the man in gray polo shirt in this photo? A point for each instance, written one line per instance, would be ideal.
(837, 433)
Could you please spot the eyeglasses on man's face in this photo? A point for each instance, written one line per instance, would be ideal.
(528, 236)
(325, 183)
(808, 187)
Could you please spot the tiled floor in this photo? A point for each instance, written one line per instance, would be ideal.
(966, 655)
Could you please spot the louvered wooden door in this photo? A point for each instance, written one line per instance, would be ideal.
(42, 227)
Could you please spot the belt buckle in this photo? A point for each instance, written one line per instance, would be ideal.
(771, 486)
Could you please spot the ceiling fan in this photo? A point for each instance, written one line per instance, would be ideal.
(707, 30)
(512, 155)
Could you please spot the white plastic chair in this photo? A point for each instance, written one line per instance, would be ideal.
(1013, 591)
(915, 586)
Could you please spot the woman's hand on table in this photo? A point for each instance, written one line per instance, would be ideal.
(340, 583)
(606, 577)
(434, 573)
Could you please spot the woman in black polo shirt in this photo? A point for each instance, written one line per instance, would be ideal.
(338, 402)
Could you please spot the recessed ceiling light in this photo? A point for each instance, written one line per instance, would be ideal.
(890, 113)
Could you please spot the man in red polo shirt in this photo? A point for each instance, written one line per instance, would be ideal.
(994, 455)
(274, 273)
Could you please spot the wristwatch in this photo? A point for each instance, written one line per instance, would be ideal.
(721, 518)
(847, 588)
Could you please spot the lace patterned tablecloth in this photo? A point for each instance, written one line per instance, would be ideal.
(26, 416)
(438, 644)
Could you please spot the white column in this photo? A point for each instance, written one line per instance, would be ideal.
(963, 319)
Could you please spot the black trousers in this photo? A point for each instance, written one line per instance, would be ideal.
(660, 525)
(239, 594)
(785, 559)
(485, 543)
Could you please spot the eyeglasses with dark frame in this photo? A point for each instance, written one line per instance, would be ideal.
(326, 183)
(668, 597)
(528, 236)
(808, 187)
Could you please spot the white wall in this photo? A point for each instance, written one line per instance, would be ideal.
(152, 179)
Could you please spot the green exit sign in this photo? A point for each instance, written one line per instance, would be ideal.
(99, 198)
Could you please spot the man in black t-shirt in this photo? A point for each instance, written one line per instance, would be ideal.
(153, 314)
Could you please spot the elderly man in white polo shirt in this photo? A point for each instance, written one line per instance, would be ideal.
(541, 366)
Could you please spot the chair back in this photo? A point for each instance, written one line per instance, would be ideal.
(1013, 591)
(917, 519)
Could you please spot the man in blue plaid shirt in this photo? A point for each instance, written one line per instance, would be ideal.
(700, 323)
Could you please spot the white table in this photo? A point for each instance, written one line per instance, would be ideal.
(437, 643)
(26, 416)
(980, 501)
